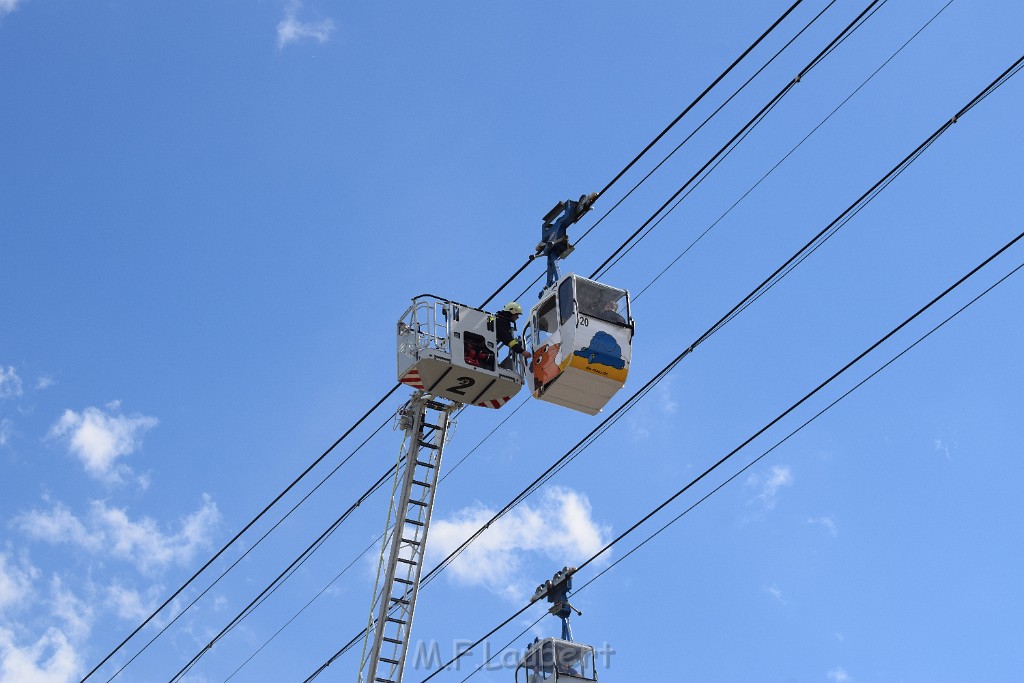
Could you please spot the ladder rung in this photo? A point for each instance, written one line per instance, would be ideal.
(428, 445)
(409, 540)
(427, 424)
(402, 601)
(424, 464)
(392, 640)
(407, 582)
(417, 502)
(397, 621)
(402, 559)
(384, 680)
(413, 521)
(389, 661)
(421, 483)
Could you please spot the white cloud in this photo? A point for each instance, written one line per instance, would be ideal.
(838, 675)
(8, 6)
(6, 430)
(944, 448)
(142, 542)
(98, 438)
(68, 608)
(776, 593)
(10, 383)
(15, 582)
(828, 522)
(127, 603)
(51, 659)
(770, 484)
(45, 382)
(59, 525)
(291, 29)
(658, 414)
(560, 526)
(666, 400)
(109, 531)
(638, 430)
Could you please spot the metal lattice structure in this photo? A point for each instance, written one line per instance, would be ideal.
(425, 421)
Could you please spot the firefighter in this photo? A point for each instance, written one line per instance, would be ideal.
(506, 327)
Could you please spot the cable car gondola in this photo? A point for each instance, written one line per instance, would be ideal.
(579, 337)
(579, 341)
(552, 660)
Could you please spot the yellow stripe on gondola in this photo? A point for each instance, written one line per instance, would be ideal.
(581, 363)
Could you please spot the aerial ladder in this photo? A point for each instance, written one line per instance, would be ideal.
(447, 353)
(425, 422)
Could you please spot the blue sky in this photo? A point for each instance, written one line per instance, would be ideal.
(211, 216)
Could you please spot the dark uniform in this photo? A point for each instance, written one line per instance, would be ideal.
(505, 327)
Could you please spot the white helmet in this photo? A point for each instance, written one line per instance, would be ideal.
(513, 308)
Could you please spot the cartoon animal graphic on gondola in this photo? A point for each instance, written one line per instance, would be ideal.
(603, 350)
(545, 366)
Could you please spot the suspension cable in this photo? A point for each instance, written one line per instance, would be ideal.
(780, 161)
(798, 257)
(765, 428)
(659, 136)
(387, 395)
(756, 293)
(712, 163)
(700, 97)
(519, 271)
(850, 28)
(760, 457)
(238, 535)
(707, 119)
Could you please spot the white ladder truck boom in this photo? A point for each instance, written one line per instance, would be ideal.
(425, 422)
(448, 352)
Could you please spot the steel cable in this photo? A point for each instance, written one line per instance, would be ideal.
(756, 293)
(387, 395)
(765, 428)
